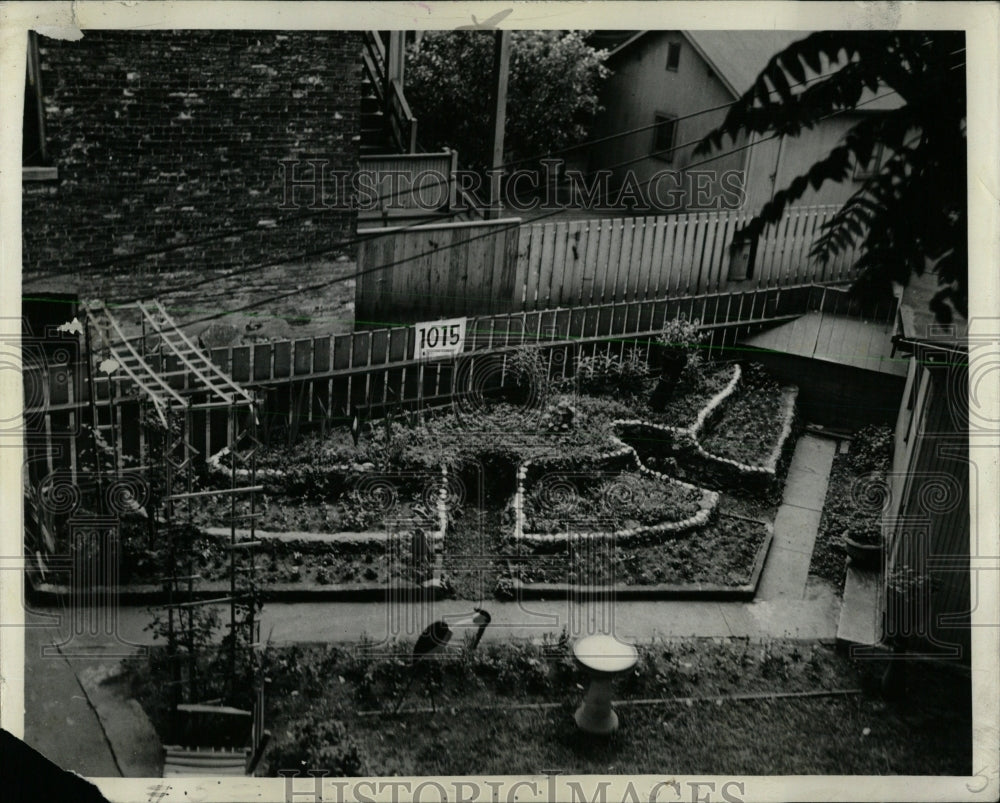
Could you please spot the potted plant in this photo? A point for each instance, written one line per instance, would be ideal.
(863, 542)
(668, 354)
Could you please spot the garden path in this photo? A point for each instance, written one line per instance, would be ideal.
(797, 520)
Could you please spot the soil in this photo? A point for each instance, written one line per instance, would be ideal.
(721, 553)
(688, 399)
(749, 427)
(606, 502)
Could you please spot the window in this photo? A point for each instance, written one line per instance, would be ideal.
(874, 164)
(673, 56)
(34, 157)
(664, 133)
(33, 131)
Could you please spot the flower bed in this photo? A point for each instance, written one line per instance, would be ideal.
(723, 553)
(730, 425)
(853, 504)
(628, 505)
(624, 501)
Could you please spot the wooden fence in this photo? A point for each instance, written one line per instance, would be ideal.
(455, 269)
(439, 270)
(311, 383)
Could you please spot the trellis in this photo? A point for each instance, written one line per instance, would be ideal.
(138, 365)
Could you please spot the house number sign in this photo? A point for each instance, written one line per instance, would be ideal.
(437, 339)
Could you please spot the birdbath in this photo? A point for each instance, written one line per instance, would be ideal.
(603, 657)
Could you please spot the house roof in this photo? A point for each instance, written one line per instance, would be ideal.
(737, 57)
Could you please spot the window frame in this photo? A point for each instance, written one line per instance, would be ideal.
(673, 55)
(875, 162)
(38, 167)
(657, 152)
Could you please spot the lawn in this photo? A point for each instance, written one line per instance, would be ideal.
(506, 708)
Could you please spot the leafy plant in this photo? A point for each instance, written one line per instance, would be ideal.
(552, 92)
(681, 335)
(871, 449)
(899, 232)
(318, 741)
(604, 375)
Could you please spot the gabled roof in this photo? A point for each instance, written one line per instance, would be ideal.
(737, 57)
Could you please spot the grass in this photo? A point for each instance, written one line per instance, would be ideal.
(721, 553)
(780, 737)
(786, 736)
(482, 727)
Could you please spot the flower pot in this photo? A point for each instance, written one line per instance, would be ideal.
(863, 556)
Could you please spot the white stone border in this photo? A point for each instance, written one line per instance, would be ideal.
(346, 536)
(709, 501)
(790, 394)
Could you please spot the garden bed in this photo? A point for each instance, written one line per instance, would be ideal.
(695, 391)
(720, 560)
(754, 423)
(629, 500)
(630, 505)
(847, 507)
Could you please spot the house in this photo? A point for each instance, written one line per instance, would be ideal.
(927, 524)
(673, 87)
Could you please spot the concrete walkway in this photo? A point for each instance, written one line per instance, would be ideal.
(59, 721)
(797, 520)
(78, 729)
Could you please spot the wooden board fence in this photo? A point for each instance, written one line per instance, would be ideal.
(459, 269)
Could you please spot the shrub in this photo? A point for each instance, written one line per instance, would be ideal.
(317, 741)
(871, 449)
(526, 376)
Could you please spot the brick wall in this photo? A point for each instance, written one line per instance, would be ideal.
(162, 138)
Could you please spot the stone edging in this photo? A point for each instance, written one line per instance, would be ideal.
(770, 467)
(692, 522)
(367, 537)
(150, 594)
(709, 501)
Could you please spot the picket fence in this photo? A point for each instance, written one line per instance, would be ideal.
(446, 270)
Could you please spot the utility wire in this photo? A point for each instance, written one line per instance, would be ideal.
(366, 271)
(311, 213)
